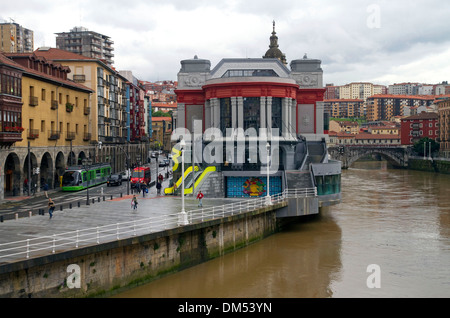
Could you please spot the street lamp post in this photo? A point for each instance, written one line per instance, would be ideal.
(429, 152)
(268, 199)
(183, 216)
(86, 163)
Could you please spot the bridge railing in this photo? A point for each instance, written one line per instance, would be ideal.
(44, 245)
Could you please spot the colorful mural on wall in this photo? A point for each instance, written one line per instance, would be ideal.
(239, 187)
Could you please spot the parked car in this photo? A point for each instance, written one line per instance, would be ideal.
(114, 179)
(164, 162)
(126, 175)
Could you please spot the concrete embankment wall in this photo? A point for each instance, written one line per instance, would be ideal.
(440, 166)
(103, 269)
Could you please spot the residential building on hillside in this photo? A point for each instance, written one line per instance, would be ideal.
(416, 127)
(331, 92)
(444, 127)
(87, 43)
(347, 127)
(387, 107)
(16, 39)
(403, 89)
(344, 108)
(165, 107)
(160, 86)
(359, 90)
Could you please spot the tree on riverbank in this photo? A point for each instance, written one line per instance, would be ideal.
(423, 146)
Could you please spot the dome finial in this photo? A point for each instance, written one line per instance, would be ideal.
(274, 51)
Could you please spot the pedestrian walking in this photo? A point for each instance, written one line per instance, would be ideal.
(200, 197)
(160, 178)
(144, 190)
(46, 189)
(134, 202)
(138, 187)
(51, 207)
(158, 187)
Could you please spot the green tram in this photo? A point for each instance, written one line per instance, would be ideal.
(79, 177)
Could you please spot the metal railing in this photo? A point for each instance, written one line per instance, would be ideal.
(24, 249)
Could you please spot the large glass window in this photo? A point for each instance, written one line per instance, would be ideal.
(225, 114)
(249, 73)
(276, 114)
(252, 109)
(10, 85)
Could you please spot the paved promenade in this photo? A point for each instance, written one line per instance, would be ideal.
(109, 212)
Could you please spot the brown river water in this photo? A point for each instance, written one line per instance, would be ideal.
(390, 237)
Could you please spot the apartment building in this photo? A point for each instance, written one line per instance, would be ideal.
(388, 107)
(108, 114)
(416, 127)
(42, 118)
(15, 39)
(331, 91)
(87, 43)
(444, 126)
(137, 108)
(344, 108)
(359, 90)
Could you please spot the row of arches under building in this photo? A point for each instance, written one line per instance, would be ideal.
(52, 164)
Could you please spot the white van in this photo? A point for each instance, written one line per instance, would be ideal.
(126, 175)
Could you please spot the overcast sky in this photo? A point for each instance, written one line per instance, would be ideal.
(382, 42)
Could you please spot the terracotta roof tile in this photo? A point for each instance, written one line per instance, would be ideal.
(423, 115)
(5, 60)
(54, 54)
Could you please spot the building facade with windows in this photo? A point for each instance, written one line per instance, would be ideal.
(416, 127)
(344, 108)
(387, 107)
(43, 121)
(16, 39)
(87, 43)
(108, 105)
(444, 126)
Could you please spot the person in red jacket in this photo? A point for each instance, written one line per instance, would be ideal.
(200, 197)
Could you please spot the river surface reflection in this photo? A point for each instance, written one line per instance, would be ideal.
(396, 219)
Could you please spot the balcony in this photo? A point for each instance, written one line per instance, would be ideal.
(34, 101)
(7, 139)
(87, 136)
(79, 78)
(69, 107)
(87, 110)
(70, 135)
(53, 135)
(54, 104)
(33, 133)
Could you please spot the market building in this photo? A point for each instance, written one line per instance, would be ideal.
(243, 105)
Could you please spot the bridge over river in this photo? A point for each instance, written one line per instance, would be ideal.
(397, 155)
